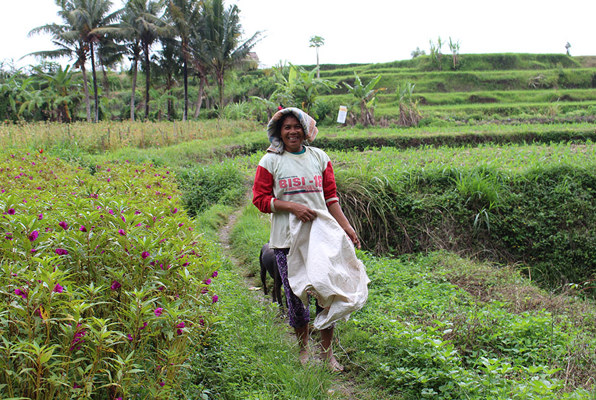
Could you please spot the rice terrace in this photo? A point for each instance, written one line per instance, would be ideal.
(129, 245)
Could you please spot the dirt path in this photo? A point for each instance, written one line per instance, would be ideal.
(343, 387)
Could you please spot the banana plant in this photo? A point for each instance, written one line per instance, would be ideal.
(365, 97)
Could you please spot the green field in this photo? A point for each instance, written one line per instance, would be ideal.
(478, 228)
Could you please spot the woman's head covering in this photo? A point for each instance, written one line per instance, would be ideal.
(309, 125)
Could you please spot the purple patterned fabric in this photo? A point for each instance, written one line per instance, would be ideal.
(298, 313)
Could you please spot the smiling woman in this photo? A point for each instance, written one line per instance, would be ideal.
(295, 182)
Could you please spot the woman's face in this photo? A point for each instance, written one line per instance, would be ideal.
(292, 134)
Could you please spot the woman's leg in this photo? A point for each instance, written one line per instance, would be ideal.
(327, 350)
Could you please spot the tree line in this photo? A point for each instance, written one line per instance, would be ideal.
(203, 37)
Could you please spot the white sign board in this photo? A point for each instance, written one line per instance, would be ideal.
(341, 115)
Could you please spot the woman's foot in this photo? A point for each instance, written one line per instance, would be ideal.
(334, 365)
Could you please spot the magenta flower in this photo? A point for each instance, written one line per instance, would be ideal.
(122, 232)
(61, 252)
(145, 254)
(181, 325)
(8, 236)
(214, 298)
(162, 383)
(111, 212)
(214, 274)
(137, 212)
(207, 281)
(115, 285)
(33, 251)
(83, 228)
(64, 225)
(33, 235)
(123, 219)
(130, 337)
(58, 288)
(11, 211)
(143, 327)
(174, 211)
(180, 225)
(40, 216)
(21, 292)
(158, 311)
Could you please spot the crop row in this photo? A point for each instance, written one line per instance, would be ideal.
(104, 285)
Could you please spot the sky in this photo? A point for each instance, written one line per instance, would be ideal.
(363, 31)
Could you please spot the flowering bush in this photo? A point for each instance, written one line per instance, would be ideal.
(104, 283)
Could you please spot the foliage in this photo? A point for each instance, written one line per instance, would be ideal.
(297, 87)
(366, 97)
(529, 204)
(423, 335)
(106, 294)
(206, 186)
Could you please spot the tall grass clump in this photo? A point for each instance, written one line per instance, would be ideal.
(535, 205)
(105, 282)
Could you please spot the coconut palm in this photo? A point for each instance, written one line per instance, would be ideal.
(140, 27)
(92, 21)
(185, 15)
(316, 42)
(220, 33)
(68, 44)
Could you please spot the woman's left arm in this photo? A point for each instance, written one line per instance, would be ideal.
(337, 213)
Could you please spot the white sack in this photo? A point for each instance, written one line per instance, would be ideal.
(322, 262)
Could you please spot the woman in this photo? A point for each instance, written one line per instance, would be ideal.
(293, 178)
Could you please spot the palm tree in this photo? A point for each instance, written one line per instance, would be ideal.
(93, 21)
(185, 16)
(68, 43)
(141, 26)
(221, 33)
(316, 42)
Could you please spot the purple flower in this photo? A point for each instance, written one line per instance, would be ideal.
(21, 292)
(33, 235)
(137, 212)
(61, 252)
(214, 298)
(64, 225)
(123, 219)
(11, 211)
(33, 251)
(83, 228)
(214, 274)
(180, 225)
(162, 383)
(143, 327)
(174, 211)
(145, 254)
(109, 179)
(207, 281)
(130, 337)
(181, 325)
(158, 311)
(122, 232)
(40, 216)
(8, 236)
(111, 212)
(58, 288)
(115, 285)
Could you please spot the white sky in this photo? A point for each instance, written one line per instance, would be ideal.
(362, 31)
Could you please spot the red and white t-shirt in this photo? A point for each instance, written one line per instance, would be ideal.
(306, 178)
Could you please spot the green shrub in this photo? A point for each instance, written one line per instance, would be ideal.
(207, 185)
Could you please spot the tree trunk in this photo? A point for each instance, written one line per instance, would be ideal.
(134, 88)
(86, 91)
(185, 69)
(94, 75)
(147, 79)
(202, 80)
(106, 81)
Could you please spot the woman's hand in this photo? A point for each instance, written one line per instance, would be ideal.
(353, 237)
(303, 213)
